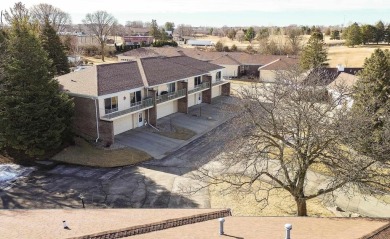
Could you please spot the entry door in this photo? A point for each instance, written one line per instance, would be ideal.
(140, 120)
(199, 98)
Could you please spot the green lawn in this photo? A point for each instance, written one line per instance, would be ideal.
(83, 153)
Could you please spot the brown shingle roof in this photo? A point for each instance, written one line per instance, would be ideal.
(282, 63)
(160, 70)
(82, 82)
(141, 53)
(48, 224)
(225, 60)
(381, 233)
(117, 77)
(345, 79)
(273, 227)
(190, 62)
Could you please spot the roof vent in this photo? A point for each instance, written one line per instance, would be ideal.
(221, 221)
(288, 228)
(340, 67)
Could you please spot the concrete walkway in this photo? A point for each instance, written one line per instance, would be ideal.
(200, 119)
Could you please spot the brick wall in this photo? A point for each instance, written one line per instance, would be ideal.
(206, 95)
(151, 114)
(225, 89)
(140, 229)
(182, 103)
(84, 121)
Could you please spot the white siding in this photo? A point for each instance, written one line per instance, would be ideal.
(123, 124)
(167, 108)
(230, 70)
(191, 83)
(191, 100)
(123, 100)
(267, 75)
(216, 91)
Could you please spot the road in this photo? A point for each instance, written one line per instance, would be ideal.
(153, 184)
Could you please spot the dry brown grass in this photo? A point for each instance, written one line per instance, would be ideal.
(98, 60)
(280, 203)
(4, 160)
(351, 57)
(176, 132)
(83, 153)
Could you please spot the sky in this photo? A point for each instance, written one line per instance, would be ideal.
(217, 13)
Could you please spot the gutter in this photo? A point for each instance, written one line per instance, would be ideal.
(97, 121)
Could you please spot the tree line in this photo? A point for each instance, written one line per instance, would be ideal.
(356, 34)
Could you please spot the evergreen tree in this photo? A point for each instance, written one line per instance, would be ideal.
(387, 34)
(335, 35)
(53, 46)
(219, 46)
(154, 31)
(352, 35)
(368, 33)
(380, 32)
(250, 34)
(314, 54)
(35, 114)
(233, 48)
(372, 98)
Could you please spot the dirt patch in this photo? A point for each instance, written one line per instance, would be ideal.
(175, 132)
(280, 203)
(4, 160)
(83, 153)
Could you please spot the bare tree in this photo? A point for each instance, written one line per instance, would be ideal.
(101, 24)
(18, 14)
(58, 18)
(184, 30)
(288, 134)
(294, 36)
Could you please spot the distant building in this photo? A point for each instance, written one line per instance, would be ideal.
(138, 40)
(199, 43)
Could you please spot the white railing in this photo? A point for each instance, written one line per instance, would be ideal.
(204, 85)
(171, 96)
(133, 107)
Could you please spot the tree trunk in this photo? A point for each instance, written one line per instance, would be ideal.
(102, 51)
(301, 207)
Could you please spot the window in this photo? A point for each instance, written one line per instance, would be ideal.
(171, 87)
(111, 104)
(198, 80)
(135, 97)
(218, 76)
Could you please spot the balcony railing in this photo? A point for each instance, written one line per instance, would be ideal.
(204, 85)
(220, 82)
(133, 107)
(170, 96)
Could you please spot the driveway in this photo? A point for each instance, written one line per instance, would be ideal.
(200, 119)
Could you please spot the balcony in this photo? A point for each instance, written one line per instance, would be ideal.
(144, 104)
(204, 85)
(171, 96)
(219, 82)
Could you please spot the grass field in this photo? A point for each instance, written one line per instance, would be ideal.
(351, 57)
(83, 153)
(337, 54)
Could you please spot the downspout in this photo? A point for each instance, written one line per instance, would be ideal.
(97, 122)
